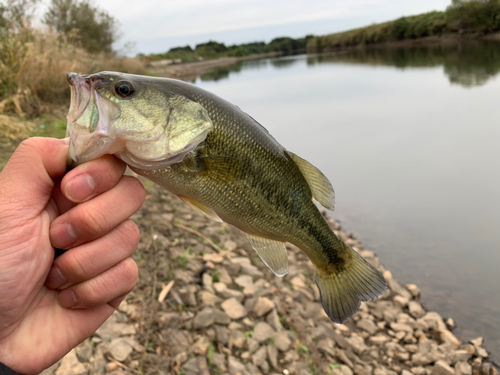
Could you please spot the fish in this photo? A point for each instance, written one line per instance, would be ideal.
(224, 164)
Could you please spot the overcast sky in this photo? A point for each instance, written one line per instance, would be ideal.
(158, 25)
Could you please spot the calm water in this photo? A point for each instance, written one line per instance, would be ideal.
(410, 139)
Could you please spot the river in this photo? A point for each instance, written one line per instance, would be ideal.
(410, 139)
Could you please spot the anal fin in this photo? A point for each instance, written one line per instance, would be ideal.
(201, 208)
(342, 292)
(272, 253)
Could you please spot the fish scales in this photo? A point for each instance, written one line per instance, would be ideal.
(223, 163)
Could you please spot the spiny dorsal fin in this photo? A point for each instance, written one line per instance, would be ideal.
(197, 206)
(321, 188)
(272, 253)
(342, 292)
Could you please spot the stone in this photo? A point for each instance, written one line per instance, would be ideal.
(112, 328)
(479, 341)
(442, 368)
(357, 344)
(398, 289)
(461, 356)
(263, 332)
(120, 349)
(274, 320)
(480, 351)
(219, 362)
(84, 351)
(99, 365)
(234, 308)
(204, 319)
(367, 325)
(235, 366)
(326, 346)
(272, 355)
(214, 258)
(191, 367)
(434, 321)
(378, 340)
(401, 301)
(236, 338)
(282, 341)
(244, 281)
(70, 365)
(416, 309)
(222, 334)
(263, 306)
(208, 298)
(188, 296)
(201, 346)
(401, 327)
(463, 368)
(220, 317)
(449, 338)
(259, 357)
(419, 370)
(252, 345)
(413, 289)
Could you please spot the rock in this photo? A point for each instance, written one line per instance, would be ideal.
(236, 338)
(208, 298)
(112, 328)
(201, 346)
(247, 268)
(398, 289)
(244, 281)
(219, 362)
(222, 334)
(434, 321)
(401, 301)
(84, 351)
(259, 357)
(326, 346)
(70, 365)
(413, 289)
(282, 341)
(236, 367)
(416, 309)
(463, 368)
(204, 319)
(418, 370)
(191, 367)
(298, 283)
(263, 306)
(272, 355)
(252, 345)
(378, 340)
(406, 372)
(220, 317)
(426, 353)
(401, 327)
(99, 365)
(120, 349)
(357, 344)
(461, 356)
(263, 332)
(480, 351)
(442, 368)
(274, 320)
(234, 308)
(188, 296)
(449, 338)
(214, 258)
(367, 325)
(477, 341)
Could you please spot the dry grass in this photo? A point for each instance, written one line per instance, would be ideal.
(33, 67)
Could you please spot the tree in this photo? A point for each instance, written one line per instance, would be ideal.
(93, 27)
(16, 12)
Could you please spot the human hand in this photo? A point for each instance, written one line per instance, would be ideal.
(48, 306)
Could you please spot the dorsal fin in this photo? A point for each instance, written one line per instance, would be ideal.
(197, 206)
(272, 253)
(321, 188)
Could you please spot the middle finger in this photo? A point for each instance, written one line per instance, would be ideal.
(93, 219)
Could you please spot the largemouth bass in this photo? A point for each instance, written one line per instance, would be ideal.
(223, 163)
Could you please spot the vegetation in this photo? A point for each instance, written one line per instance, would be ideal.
(33, 62)
(462, 16)
(213, 49)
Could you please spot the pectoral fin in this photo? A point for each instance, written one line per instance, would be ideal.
(321, 188)
(197, 206)
(272, 253)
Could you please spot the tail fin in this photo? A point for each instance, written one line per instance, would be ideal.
(341, 293)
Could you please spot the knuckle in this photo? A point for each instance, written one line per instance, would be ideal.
(77, 267)
(129, 234)
(93, 221)
(137, 189)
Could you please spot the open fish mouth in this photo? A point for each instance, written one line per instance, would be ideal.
(90, 117)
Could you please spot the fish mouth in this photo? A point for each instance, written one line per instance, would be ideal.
(89, 120)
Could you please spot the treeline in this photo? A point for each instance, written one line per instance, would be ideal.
(462, 17)
(212, 49)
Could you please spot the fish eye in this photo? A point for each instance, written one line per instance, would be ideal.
(124, 89)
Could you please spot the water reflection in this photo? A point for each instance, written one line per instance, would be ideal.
(467, 64)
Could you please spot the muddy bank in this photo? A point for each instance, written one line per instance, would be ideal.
(189, 71)
(206, 304)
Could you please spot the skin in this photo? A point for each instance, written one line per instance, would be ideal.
(48, 306)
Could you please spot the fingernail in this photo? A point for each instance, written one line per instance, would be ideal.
(80, 188)
(62, 235)
(55, 279)
(67, 299)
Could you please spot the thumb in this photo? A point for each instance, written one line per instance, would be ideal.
(26, 182)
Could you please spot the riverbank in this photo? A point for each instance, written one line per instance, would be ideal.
(206, 304)
(190, 70)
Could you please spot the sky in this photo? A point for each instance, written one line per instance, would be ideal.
(154, 26)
